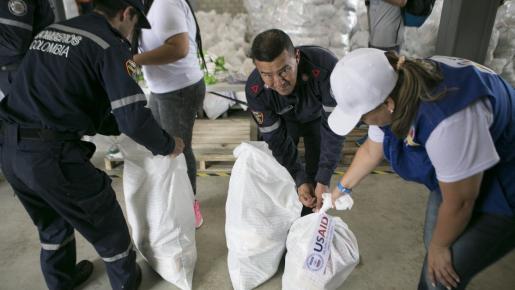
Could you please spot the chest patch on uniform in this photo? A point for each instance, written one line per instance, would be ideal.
(255, 88)
(410, 139)
(316, 72)
(132, 69)
(17, 7)
(259, 117)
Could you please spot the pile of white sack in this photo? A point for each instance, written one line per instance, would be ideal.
(224, 35)
(501, 51)
(327, 23)
(421, 42)
(263, 221)
(333, 24)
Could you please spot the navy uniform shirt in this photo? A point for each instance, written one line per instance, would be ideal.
(310, 100)
(78, 77)
(20, 20)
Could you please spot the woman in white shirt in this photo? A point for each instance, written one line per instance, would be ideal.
(449, 124)
(168, 54)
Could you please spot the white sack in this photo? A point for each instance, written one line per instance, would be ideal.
(215, 106)
(261, 206)
(159, 201)
(321, 252)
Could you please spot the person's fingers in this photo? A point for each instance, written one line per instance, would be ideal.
(453, 274)
(431, 275)
(450, 276)
(319, 203)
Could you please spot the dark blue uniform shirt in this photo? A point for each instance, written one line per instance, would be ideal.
(78, 77)
(20, 20)
(310, 100)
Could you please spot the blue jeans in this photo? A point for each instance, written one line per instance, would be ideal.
(176, 113)
(486, 239)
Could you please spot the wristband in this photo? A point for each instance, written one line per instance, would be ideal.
(344, 189)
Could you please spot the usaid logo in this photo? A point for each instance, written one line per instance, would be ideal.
(319, 252)
(314, 262)
(17, 7)
(321, 235)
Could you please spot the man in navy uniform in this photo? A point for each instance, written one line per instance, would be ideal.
(20, 20)
(290, 97)
(78, 79)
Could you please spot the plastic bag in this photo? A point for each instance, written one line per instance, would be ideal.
(215, 106)
(261, 206)
(159, 201)
(321, 251)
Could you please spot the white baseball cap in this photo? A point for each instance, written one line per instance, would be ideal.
(360, 81)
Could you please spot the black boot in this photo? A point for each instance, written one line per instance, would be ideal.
(82, 272)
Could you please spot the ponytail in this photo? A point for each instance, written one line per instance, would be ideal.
(417, 79)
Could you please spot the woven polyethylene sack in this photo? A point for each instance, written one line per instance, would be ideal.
(261, 206)
(321, 253)
(159, 201)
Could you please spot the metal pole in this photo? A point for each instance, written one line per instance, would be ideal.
(466, 27)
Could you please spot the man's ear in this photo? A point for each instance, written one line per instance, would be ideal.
(297, 55)
(128, 13)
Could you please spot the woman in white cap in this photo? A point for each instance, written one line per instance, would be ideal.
(449, 124)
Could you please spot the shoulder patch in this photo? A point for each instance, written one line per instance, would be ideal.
(132, 69)
(259, 117)
(410, 139)
(315, 72)
(17, 7)
(255, 88)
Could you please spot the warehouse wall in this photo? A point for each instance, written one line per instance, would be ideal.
(230, 6)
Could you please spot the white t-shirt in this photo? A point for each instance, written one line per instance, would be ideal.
(169, 18)
(461, 145)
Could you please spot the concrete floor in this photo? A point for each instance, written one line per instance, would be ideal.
(387, 220)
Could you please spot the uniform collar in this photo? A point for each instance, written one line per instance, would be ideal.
(95, 15)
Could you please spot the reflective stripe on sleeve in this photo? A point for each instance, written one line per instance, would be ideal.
(270, 128)
(127, 101)
(328, 109)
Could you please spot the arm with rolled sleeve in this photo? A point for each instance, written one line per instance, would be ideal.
(330, 143)
(128, 103)
(274, 133)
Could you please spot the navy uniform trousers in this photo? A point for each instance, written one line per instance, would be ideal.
(6, 77)
(310, 132)
(62, 191)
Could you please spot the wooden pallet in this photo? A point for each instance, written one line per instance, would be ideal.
(111, 162)
(215, 140)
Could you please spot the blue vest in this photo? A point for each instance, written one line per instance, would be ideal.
(465, 82)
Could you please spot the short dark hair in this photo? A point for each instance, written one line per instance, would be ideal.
(269, 44)
(110, 7)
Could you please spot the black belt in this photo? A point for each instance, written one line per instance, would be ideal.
(41, 134)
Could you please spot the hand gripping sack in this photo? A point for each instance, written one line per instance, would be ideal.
(321, 252)
(261, 206)
(159, 201)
